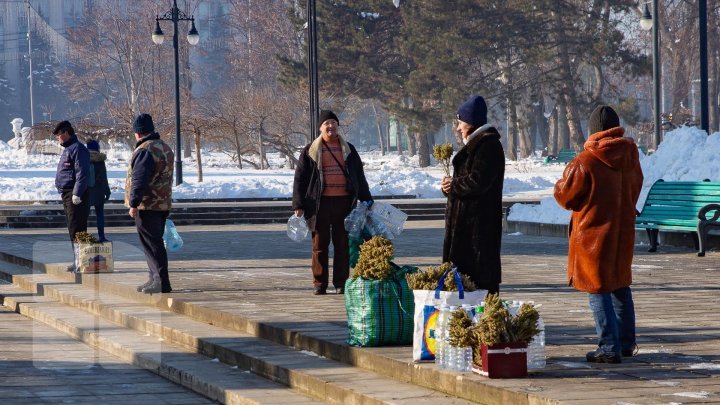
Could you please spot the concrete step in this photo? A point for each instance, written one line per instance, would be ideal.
(204, 375)
(326, 339)
(304, 371)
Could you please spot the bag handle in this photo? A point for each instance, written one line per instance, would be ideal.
(342, 168)
(458, 282)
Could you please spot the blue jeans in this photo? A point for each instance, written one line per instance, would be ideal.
(614, 315)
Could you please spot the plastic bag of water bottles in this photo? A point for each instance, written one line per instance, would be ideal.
(297, 228)
(355, 221)
(171, 237)
(388, 219)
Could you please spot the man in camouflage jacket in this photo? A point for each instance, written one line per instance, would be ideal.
(148, 194)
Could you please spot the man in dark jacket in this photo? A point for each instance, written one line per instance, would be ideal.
(148, 194)
(473, 218)
(71, 180)
(329, 180)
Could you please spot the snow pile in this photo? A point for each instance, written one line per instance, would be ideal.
(686, 154)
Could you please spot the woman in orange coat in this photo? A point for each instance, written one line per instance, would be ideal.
(601, 186)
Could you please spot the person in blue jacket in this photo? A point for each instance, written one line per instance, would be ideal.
(71, 180)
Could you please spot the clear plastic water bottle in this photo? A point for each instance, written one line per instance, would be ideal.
(440, 331)
(393, 218)
(468, 359)
(536, 349)
(297, 229)
(355, 221)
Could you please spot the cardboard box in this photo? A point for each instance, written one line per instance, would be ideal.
(503, 360)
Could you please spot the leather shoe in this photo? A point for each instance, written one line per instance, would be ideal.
(340, 290)
(71, 268)
(630, 352)
(153, 288)
(599, 356)
(319, 291)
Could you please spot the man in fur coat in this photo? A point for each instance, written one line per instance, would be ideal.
(473, 218)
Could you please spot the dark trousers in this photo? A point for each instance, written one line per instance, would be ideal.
(330, 225)
(76, 215)
(100, 218)
(150, 227)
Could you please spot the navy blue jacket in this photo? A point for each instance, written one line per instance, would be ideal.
(74, 167)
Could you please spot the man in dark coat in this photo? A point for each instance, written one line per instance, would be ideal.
(329, 180)
(71, 180)
(473, 218)
(148, 194)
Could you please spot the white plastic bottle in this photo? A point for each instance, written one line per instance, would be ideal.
(440, 332)
(536, 349)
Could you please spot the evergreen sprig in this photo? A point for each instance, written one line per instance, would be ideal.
(442, 153)
(85, 237)
(374, 261)
(429, 278)
(459, 331)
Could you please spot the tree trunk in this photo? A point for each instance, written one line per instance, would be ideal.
(423, 149)
(511, 149)
(539, 126)
(525, 134)
(198, 155)
(379, 130)
(563, 130)
(412, 146)
(553, 137)
(568, 83)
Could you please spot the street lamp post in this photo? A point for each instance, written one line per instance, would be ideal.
(193, 38)
(647, 22)
(704, 103)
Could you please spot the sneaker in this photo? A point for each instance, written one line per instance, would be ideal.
(153, 288)
(599, 356)
(340, 290)
(630, 352)
(319, 291)
(140, 287)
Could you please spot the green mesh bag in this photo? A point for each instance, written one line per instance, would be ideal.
(380, 312)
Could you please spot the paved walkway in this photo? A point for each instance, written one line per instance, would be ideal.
(39, 365)
(258, 271)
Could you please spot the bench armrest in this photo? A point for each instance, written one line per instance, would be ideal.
(708, 208)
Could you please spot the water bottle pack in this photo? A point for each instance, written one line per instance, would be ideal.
(377, 219)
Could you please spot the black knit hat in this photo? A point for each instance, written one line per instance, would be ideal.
(143, 124)
(473, 111)
(64, 126)
(603, 118)
(327, 115)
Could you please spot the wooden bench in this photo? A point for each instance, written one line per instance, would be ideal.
(681, 206)
(565, 156)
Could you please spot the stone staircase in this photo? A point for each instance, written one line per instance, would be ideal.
(225, 356)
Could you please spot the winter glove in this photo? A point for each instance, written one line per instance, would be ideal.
(76, 200)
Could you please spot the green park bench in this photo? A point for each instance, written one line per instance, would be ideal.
(565, 156)
(681, 206)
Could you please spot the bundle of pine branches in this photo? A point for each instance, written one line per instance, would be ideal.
(374, 261)
(428, 279)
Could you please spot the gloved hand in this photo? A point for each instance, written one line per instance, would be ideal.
(369, 203)
(107, 197)
(76, 200)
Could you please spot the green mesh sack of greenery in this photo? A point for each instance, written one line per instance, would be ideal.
(429, 278)
(380, 312)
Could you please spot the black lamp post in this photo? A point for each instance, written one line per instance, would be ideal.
(647, 22)
(704, 103)
(193, 38)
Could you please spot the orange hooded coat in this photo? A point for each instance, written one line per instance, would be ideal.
(601, 186)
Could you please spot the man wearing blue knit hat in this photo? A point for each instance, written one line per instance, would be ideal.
(473, 224)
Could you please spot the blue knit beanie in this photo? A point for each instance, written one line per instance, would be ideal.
(143, 124)
(92, 145)
(473, 111)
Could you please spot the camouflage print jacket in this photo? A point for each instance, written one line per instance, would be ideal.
(148, 185)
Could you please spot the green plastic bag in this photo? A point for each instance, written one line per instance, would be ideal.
(380, 312)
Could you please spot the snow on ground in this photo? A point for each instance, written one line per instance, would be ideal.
(31, 177)
(686, 154)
